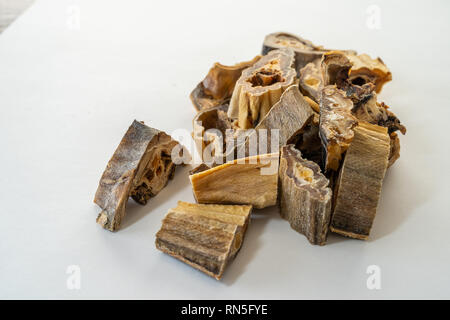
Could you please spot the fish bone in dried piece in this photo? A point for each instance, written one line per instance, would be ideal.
(205, 236)
(305, 196)
(261, 86)
(360, 181)
(365, 69)
(218, 85)
(140, 168)
(336, 125)
(305, 50)
(252, 180)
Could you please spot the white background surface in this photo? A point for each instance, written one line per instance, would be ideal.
(67, 96)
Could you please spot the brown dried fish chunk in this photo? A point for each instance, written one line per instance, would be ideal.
(365, 69)
(261, 86)
(218, 85)
(305, 198)
(336, 125)
(140, 167)
(205, 236)
(252, 180)
(360, 181)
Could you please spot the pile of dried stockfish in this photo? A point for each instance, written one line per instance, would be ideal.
(298, 126)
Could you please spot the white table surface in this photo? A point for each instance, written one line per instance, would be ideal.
(68, 93)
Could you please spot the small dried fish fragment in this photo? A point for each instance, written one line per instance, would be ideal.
(252, 180)
(209, 129)
(305, 50)
(218, 85)
(205, 236)
(336, 125)
(360, 181)
(261, 86)
(140, 168)
(367, 70)
(305, 196)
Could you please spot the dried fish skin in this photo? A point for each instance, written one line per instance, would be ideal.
(367, 70)
(360, 181)
(252, 180)
(305, 196)
(205, 236)
(139, 168)
(335, 125)
(218, 85)
(261, 86)
(305, 50)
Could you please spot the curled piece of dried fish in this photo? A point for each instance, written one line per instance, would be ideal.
(251, 180)
(205, 236)
(360, 181)
(305, 50)
(367, 70)
(336, 125)
(218, 85)
(261, 86)
(305, 197)
(140, 167)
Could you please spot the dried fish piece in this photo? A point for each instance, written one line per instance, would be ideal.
(365, 69)
(140, 167)
(311, 80)
(305, 50)
(251, 180)
(261, 86)
(205, 236)
(218, 85)
(336, 125)
(210, 127)
(371, 111)
(289, 117)
(360, 181)
(305, 198)
(335, 68)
